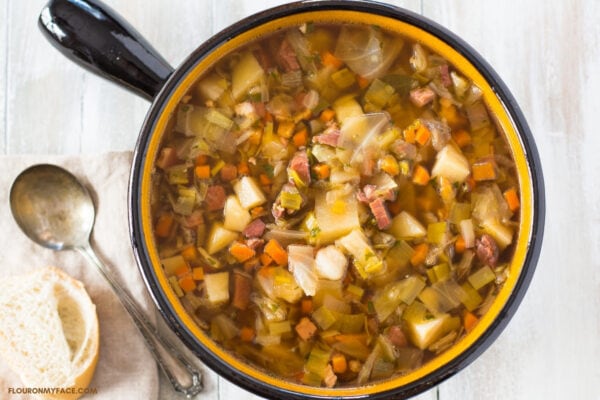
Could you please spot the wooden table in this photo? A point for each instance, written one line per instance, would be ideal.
(548, 53)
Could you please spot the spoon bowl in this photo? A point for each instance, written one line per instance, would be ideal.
(52, 207)
(56, 211)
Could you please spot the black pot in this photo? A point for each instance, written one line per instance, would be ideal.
(95, 37)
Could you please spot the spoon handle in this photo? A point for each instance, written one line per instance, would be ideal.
(184, 377)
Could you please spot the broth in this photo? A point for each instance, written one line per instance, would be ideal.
(335, 204)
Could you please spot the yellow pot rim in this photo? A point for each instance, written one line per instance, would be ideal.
(469, 64)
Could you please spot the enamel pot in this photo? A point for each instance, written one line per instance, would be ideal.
(91, 34)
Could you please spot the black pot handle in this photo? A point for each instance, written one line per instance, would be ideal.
(94, 36)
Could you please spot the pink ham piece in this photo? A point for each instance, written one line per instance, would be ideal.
(215, 198)
(381, 213)
(167, 158)
(445, 75)
(396, 336)
(422, 96)
(193, 220)
(286, 57)
(299, 164)
(255, 229)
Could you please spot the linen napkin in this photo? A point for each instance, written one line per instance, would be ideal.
(125, 369)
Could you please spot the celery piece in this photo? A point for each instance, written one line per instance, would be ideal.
(459, 212)
(442, 296)
(227, 328)
(279, 328)
(216, 117)
(379, 93)
(311, 379)
(355, 291)
(217, 287)
(335, 304)
(389, 298)
(292, 201)
(405, 226)
(388, 351)
(285, 286)
(326, 287)
(343, 78)
(353, 348)
(472, 299)
(382, 369)
(217, 167)
(398, 257)
(481, 277)
(366, 261)
(349, 323)
(245, 74)
(365, 372)
(184, 205)
(436, 232)
(272, 310)
(208, 259)
(324, 317)
(175, 286)
(268, 340)
(317, 362)
(401, 83)
(441, 271)
(178, 174)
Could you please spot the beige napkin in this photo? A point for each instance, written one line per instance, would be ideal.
(125, 368)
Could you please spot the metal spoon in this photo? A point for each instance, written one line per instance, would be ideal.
(57, 212)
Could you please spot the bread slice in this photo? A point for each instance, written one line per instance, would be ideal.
(49, 331)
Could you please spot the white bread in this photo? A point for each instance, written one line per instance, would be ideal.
(49, 331)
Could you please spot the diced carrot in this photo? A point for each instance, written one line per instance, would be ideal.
(251, 264)
(257, 212)
(247, 334)
(267, 271)
(420, 253)
(198, 273)
(422, 135)
(241, 251)
(410, 133)
(264, 179)
(183, 270)
(187, 283)
(189, 253)
(459, 245)
(338, 363)
(306, 306)
(164, 225)
(420, 175)
(512, 198)
(461, 137)
(300, 138)
(390, 165)
(484, 171)
(202, 171)
(321, 170)
(362, 81)
(469, 321)
(265, 259)
(277, 253)
(471, 183)
(201, 159)
(330, 60)
(327, 115)
(243, 168)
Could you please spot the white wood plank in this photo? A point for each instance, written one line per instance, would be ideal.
(3, 69)
(41, 115)
(550, 349)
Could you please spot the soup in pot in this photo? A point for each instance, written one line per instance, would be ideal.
(335, 204)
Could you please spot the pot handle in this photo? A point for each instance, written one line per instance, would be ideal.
(97, 38)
